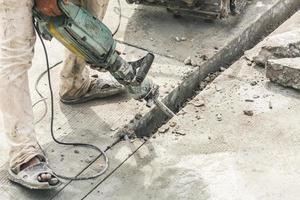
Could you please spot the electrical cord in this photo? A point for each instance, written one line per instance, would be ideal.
(43, 99)
(119, 9)
(52, 123)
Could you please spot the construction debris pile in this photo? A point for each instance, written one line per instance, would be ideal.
(280, 55)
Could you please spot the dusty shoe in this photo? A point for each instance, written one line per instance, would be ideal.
(99, 88)
(35, 175)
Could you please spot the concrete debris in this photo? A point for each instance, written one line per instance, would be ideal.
(209, 79)
(270, 105)
(253, 83)
(285, 71)
(249, 100)
(114, 128)
(219, 117)
(204, 57)
(188, 61)
(198, 117)
(165, 128)
(194, 63)
(248, 112)
(173, 124)
(199, 103)
(180, 39)
(95, 76)
(249, 62)
(179, 133)
(222, 69)
(284, 45)
(138, 116)
(218, 88)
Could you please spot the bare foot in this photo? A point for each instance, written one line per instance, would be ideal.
(46, 177)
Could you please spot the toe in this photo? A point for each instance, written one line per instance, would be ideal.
(53, 181)
(43, 177)
(46, 177)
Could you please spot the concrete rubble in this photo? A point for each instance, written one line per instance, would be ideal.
(280, 53)
(285, 71)
(284, 45)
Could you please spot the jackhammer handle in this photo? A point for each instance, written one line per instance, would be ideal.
(144, 68)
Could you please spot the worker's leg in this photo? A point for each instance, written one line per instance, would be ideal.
(75, 80)
(17, 39)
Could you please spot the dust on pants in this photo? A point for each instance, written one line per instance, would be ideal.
(17, 39)
(75, 80)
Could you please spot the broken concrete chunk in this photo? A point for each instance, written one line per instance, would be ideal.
(163, 129)
(183, 38)
(248, 112)
(219, 117)
(188, 61)
(173, 124)
(284, 45)
(198, 103)
(285, 71)
(253, 83)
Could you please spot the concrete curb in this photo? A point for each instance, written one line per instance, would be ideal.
(233, 51)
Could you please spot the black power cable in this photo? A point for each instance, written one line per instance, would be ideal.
(52, 122)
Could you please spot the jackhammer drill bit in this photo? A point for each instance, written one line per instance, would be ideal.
(164, 108)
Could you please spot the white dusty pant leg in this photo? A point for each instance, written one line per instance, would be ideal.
(75, 80)
(17, 39)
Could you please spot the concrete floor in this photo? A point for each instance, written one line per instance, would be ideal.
(97, 122)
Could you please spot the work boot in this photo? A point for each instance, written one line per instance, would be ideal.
(99, 89)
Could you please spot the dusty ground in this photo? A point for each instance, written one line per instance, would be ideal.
(149, 173)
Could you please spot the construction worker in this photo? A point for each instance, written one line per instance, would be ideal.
(27, 163)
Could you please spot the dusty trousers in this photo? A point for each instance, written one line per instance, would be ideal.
(17, 39)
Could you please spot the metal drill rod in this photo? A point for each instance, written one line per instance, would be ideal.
(164, 108)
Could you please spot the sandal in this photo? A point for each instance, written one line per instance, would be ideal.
(28, 177)
(99, 89)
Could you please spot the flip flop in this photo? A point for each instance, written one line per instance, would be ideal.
(28, 177)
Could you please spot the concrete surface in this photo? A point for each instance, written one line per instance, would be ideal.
(284, 45)
(285, 34)
(97, 122)
(213, 150)
(285, 71)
